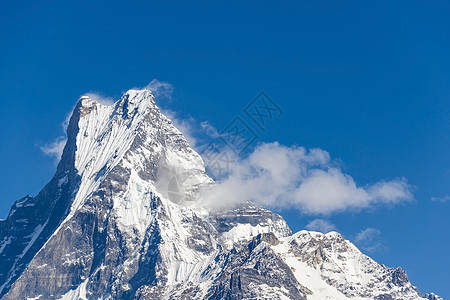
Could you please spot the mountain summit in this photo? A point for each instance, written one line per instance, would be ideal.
(119, 221)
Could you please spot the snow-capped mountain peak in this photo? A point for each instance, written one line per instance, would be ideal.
(117, 221)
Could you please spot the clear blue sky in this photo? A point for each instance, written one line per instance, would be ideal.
(369, 83)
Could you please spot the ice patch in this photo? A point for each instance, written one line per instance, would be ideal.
(77, 294)
(6, 241)
(242, 232)
(62, 181)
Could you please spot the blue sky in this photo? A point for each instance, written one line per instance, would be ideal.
(367, 82)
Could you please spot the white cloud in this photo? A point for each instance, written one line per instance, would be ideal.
(320, 225)
(101, 99)
(441, 199)
(209, 130)
(293, 177)
(366, 235)
(161, 90)
(369, 239)
(55, 149)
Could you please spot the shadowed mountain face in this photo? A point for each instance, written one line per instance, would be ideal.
(119, 220)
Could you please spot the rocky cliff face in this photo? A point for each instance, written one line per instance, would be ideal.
(119, 221)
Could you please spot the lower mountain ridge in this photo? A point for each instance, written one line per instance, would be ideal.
(108, 227)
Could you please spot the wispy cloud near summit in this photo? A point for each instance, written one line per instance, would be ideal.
(445, 198)
(369, 240)
(55, 148)
(320, 225)
(100, 98)
(160, 89)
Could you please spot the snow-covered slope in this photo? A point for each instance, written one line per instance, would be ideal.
(329, 265)
(119, 221)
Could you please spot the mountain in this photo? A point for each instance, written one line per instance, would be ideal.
(118, 221)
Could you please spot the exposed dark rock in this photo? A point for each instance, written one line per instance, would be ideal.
(399, 277)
